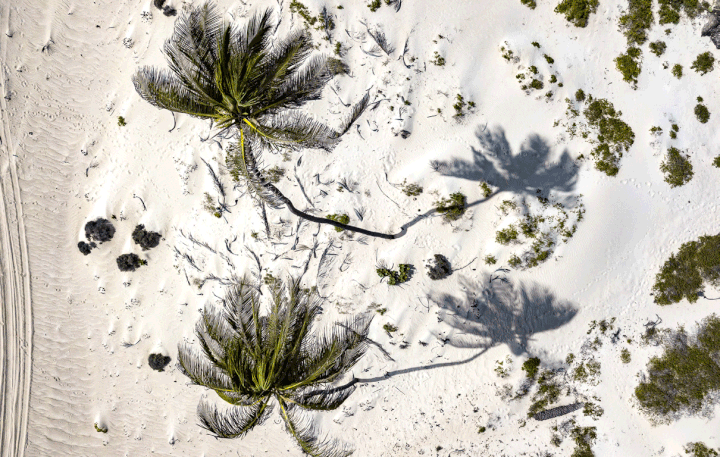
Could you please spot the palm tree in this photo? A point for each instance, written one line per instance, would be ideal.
(245, 80)
(250, 359)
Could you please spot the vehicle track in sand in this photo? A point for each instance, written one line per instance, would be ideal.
(15, 305)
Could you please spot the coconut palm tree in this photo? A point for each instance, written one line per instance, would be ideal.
(253, 360)
(245, 80)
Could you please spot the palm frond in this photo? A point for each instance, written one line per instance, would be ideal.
(244, 160)
(233, 422)
(161, 88)
(322, 400)
(307, 436)
(201, 371)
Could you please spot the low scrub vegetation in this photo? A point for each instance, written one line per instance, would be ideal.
(529, 3)
(669, 12)
(704, 63)
(682, 379)
(636, 21)
(396, 277)
(677, 70)
(629, 65)
(677, 168)
(451, 208)
(702, 113)
(658, 48)
(146, 239)
(699, 449)
(577, 12)
(341, 218)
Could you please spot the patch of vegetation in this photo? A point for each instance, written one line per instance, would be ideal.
(514, 261)
(507, 53)
(486, 189)
(536, 84)
(590, 409)
(683, 274)
(677, 71)
(411, 190)
(502, 368)
(584, 438)
(677, 168)
(614, 135)
(699, 449)
(547, 394)
(702, 113)
(490, 260)
(685, 375)
(158, 362)
(658, 47)
(341, 218)
(438, 60)
(146, 240)
(656, 130)
(396, 277)
(716, 162)
(506, 235)
(577, 12)
(704, 63)
(86, 248)
(670, 10)
(636, 21)
(580, 95)
(549, 59)
(536, 44)
(529, 3)
(274, 174)
(482, 428)
(374, 5)
(100, 230)
(459, 105)
(439, 268)
(553, 79)
(629, 65)
(129, 262)
(531, 367)
(625, 355)
(121, 121)
(390, 329)
(100, 429)
(451, 208)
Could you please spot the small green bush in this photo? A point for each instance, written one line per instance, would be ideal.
(529, 3)
(531, 367)
(374, 5)
(702, 113)
(637, 21)
(629, 64)
(584, 438)
(274, 174)
(553, 79)
(129, 262)
(625, 355)
(535, 43)
(580, 95)
(716, 162)
(536, 84)
(121, 121)
(547, 394)
(699, 449)
(549, 59)
(514, 261)
(451, 208)
(677, 168)
(486, 189)
(146, 239)
(438, 60)
(411, 190)
(614, 135)
(670, 10)
(704, 63)
(100, 429)
(658, 48)
(341, 218)
(396, 277)
(390, 329)
(490, 260)
(683, 273)
(506, 235)
(577, 12)
(677, 71)
(682, 378)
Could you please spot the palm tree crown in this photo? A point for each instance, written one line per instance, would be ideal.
(245, 79)
(249, 358)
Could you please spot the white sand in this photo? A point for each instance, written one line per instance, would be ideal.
(65, 161)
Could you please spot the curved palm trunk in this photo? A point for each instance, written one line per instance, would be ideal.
(280, 198)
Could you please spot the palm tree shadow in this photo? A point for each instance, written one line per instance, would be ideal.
(492, 311)
(496, 311)
(524, 173)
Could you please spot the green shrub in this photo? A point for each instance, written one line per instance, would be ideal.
(677, 71)
(531, 367)
(584, 438)
(549, 59)
(682, 275)
(677, 168)
(146, 240)
(274, 174)
(459, 105)
(580, 95)
(704, 63)
(486, 189)
(553, 79)
(411, 190)
(536, 84)
(658, 48)
(547, 394)
(374, 5)
(390, 329)
(529, 3)
(506, 235)
(490, 260)
(699, 449)
(100, 429)
(681, 379)
(438, 60)
(536, 44)
(670, 10)
(341, 218)
(637, 21)
(396, 277)
(625, 355)
(716, 162)
(629, 64)
(121, 121)
(614, 135)
(451, 208)
(702, 113)
(577, 12)
(514, 261)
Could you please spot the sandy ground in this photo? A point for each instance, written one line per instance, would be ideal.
(76, 332)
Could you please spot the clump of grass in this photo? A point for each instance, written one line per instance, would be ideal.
(685, 375)
(507, 235)
(529, 3)
(396, 277)
(100, 429)
(451, 208)
(658, 47)
(629, 65)
(699, 449)
(390, 329)
(677, 71)
(577, 12)
(625, 355)
(636, 21)
(702, 113)
(411, 190)
(549, 59)
(614, 135)
(490, 260)
(547, 394)
(486, 189)
(507, 53)
(590, 409)
(677, 168)
(716, 162)
(121, 121)
(584, 438)
(514, 261)
(374, 5)
(683, 274)
(438, 60)
(341, 218)
(274, 174)
(656, 130)
(531, 367)
(459, 105)
(704, 63)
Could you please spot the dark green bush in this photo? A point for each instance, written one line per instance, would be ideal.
(158, 362)
(531, 367)
(683, 273)
(677, 71)
(716, 162)
(677, 168)
(341, 218)
(637, 21)
(658, 48)
(99, 230)
(614, 135)
(681, 379)
(529, 3)
(699, 449)
(451, 208)
(577, 12)
(129, 262)
(704, 63)
(629, 64)
(536, 84)
(506, 235)
(396, 277)
(702, 113)
(584, 438)
(86, 248)
(580, 95)
(670, 10)
(146, 240)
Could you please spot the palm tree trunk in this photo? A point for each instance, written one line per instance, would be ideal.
(277, 195)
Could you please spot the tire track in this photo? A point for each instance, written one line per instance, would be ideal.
(15, 303)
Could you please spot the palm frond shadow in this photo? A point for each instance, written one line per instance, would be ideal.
(491, 312)
(523, 174)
